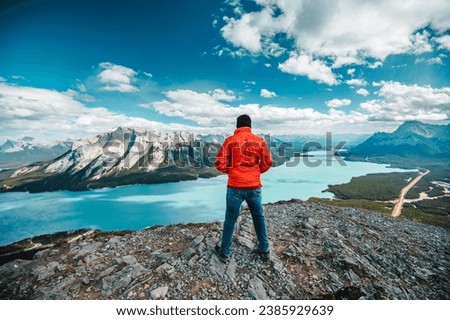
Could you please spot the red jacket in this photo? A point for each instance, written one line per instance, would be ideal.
(244, 156)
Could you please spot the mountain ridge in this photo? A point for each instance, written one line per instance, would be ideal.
(25, 151)
(420, 128)
(411, 143)
(122, 157)
(140, 156)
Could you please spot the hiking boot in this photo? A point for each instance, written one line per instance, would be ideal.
(219, 253)
(265, 256)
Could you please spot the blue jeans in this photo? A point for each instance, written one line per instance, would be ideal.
(235, 197)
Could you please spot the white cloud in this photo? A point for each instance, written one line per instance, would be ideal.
(79, 96)
(80, 86)
(420, 43)
(51, 115)
(203, 108)
(243, 33)
(374, 65)
(272, 49)
(207, 112)
(222, 95)
(400, 102)
(341, 61)
(117, 78)
(338, 103)
(444, 42)
(351, 72)
(356, 82)
(362, 92)
(339, 33)
(267, 65)
(267, 94)
(305, 65)
(434, 60)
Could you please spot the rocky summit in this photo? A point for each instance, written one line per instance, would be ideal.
(318, 252)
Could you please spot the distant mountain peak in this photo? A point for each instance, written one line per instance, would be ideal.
(416, 127)
(17, 153)
(411, 139)
(11, 146)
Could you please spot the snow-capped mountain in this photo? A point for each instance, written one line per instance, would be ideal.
(425, 130)
(16, 153)
(11, 146)
(124, 156)
(127, 156)
(413, 139)
(136, 150)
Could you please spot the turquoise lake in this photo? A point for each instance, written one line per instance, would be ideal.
(24, 215)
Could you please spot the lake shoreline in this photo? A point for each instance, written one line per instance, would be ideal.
(139, 206)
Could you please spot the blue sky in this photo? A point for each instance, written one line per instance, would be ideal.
(79, 68)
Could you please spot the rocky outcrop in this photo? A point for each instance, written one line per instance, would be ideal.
(318, 252)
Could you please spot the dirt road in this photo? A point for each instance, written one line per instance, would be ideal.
(399, 203)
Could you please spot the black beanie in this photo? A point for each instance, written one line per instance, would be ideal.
(243, 121)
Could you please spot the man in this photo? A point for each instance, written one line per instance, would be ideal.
(243, 156)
